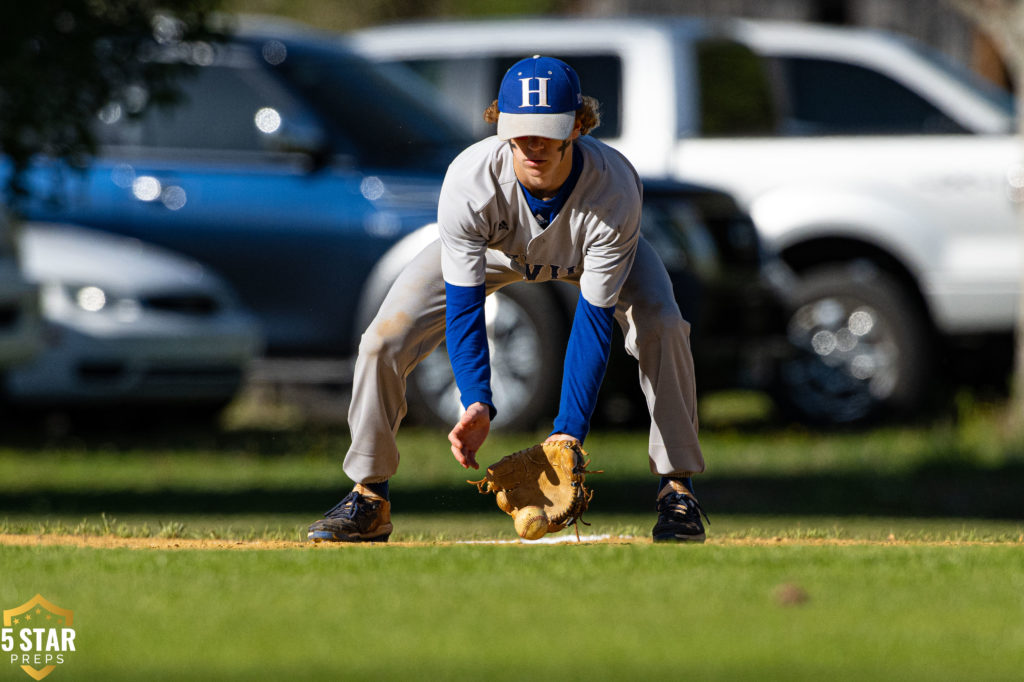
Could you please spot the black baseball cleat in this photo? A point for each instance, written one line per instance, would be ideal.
(361, 517)
(679, 515)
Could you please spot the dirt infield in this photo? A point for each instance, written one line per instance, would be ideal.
(114, 542)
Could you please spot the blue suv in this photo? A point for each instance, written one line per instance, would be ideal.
(288, 165)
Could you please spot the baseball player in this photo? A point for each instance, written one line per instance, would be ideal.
(539, 201)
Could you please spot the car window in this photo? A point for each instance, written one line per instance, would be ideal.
(313, 97)
(463, 86)
(220, 108)
(827, 97)
(370, 113)
(994, 94)
(736, 98)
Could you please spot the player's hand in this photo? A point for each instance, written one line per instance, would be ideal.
(469, 434)
(559, 436)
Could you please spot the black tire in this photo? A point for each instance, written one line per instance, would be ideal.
(527, 332)
(862, 349)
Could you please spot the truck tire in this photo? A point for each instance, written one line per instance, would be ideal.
(862, 349)
(527, 332)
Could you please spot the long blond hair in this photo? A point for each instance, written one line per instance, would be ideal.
(588, 115)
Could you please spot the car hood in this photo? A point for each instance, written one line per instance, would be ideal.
(75, 255)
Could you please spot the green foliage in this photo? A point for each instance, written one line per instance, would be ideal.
(63, 61)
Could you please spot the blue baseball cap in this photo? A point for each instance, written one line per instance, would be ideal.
(539, 97)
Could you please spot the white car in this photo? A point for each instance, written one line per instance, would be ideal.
(129, 324)
(887, 180)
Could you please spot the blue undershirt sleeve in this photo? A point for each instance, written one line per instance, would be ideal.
(466, 336)
(586, 359)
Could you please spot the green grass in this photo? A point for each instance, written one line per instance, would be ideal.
(543, 612)
(959, 478)
(893, 553)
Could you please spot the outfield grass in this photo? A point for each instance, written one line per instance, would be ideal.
(895, 553)
(950, 480)
(616, 612)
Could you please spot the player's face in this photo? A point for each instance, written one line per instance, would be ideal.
(542, 164)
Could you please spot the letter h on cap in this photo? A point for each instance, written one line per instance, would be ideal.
(542, 92)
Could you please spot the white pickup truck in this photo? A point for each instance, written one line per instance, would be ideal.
(885, 178)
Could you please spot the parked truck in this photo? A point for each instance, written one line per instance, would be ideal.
(886, 178)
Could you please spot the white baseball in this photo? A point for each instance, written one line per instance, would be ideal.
(531, 523)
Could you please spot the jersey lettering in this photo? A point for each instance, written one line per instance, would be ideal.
(542, 93)
(531, 271)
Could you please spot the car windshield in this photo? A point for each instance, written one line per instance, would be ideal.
(372, 113)
(995, 95)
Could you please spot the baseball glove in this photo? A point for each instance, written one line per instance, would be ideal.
(548, 475)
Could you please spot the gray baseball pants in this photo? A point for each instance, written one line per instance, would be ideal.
(411, 324)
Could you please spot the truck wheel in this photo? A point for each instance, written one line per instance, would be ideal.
(526, 333)
(862, 348)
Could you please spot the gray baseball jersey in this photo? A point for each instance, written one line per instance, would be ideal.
(593, 238)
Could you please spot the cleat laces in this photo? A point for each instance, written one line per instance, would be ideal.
(682, 507)
(350, 507)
